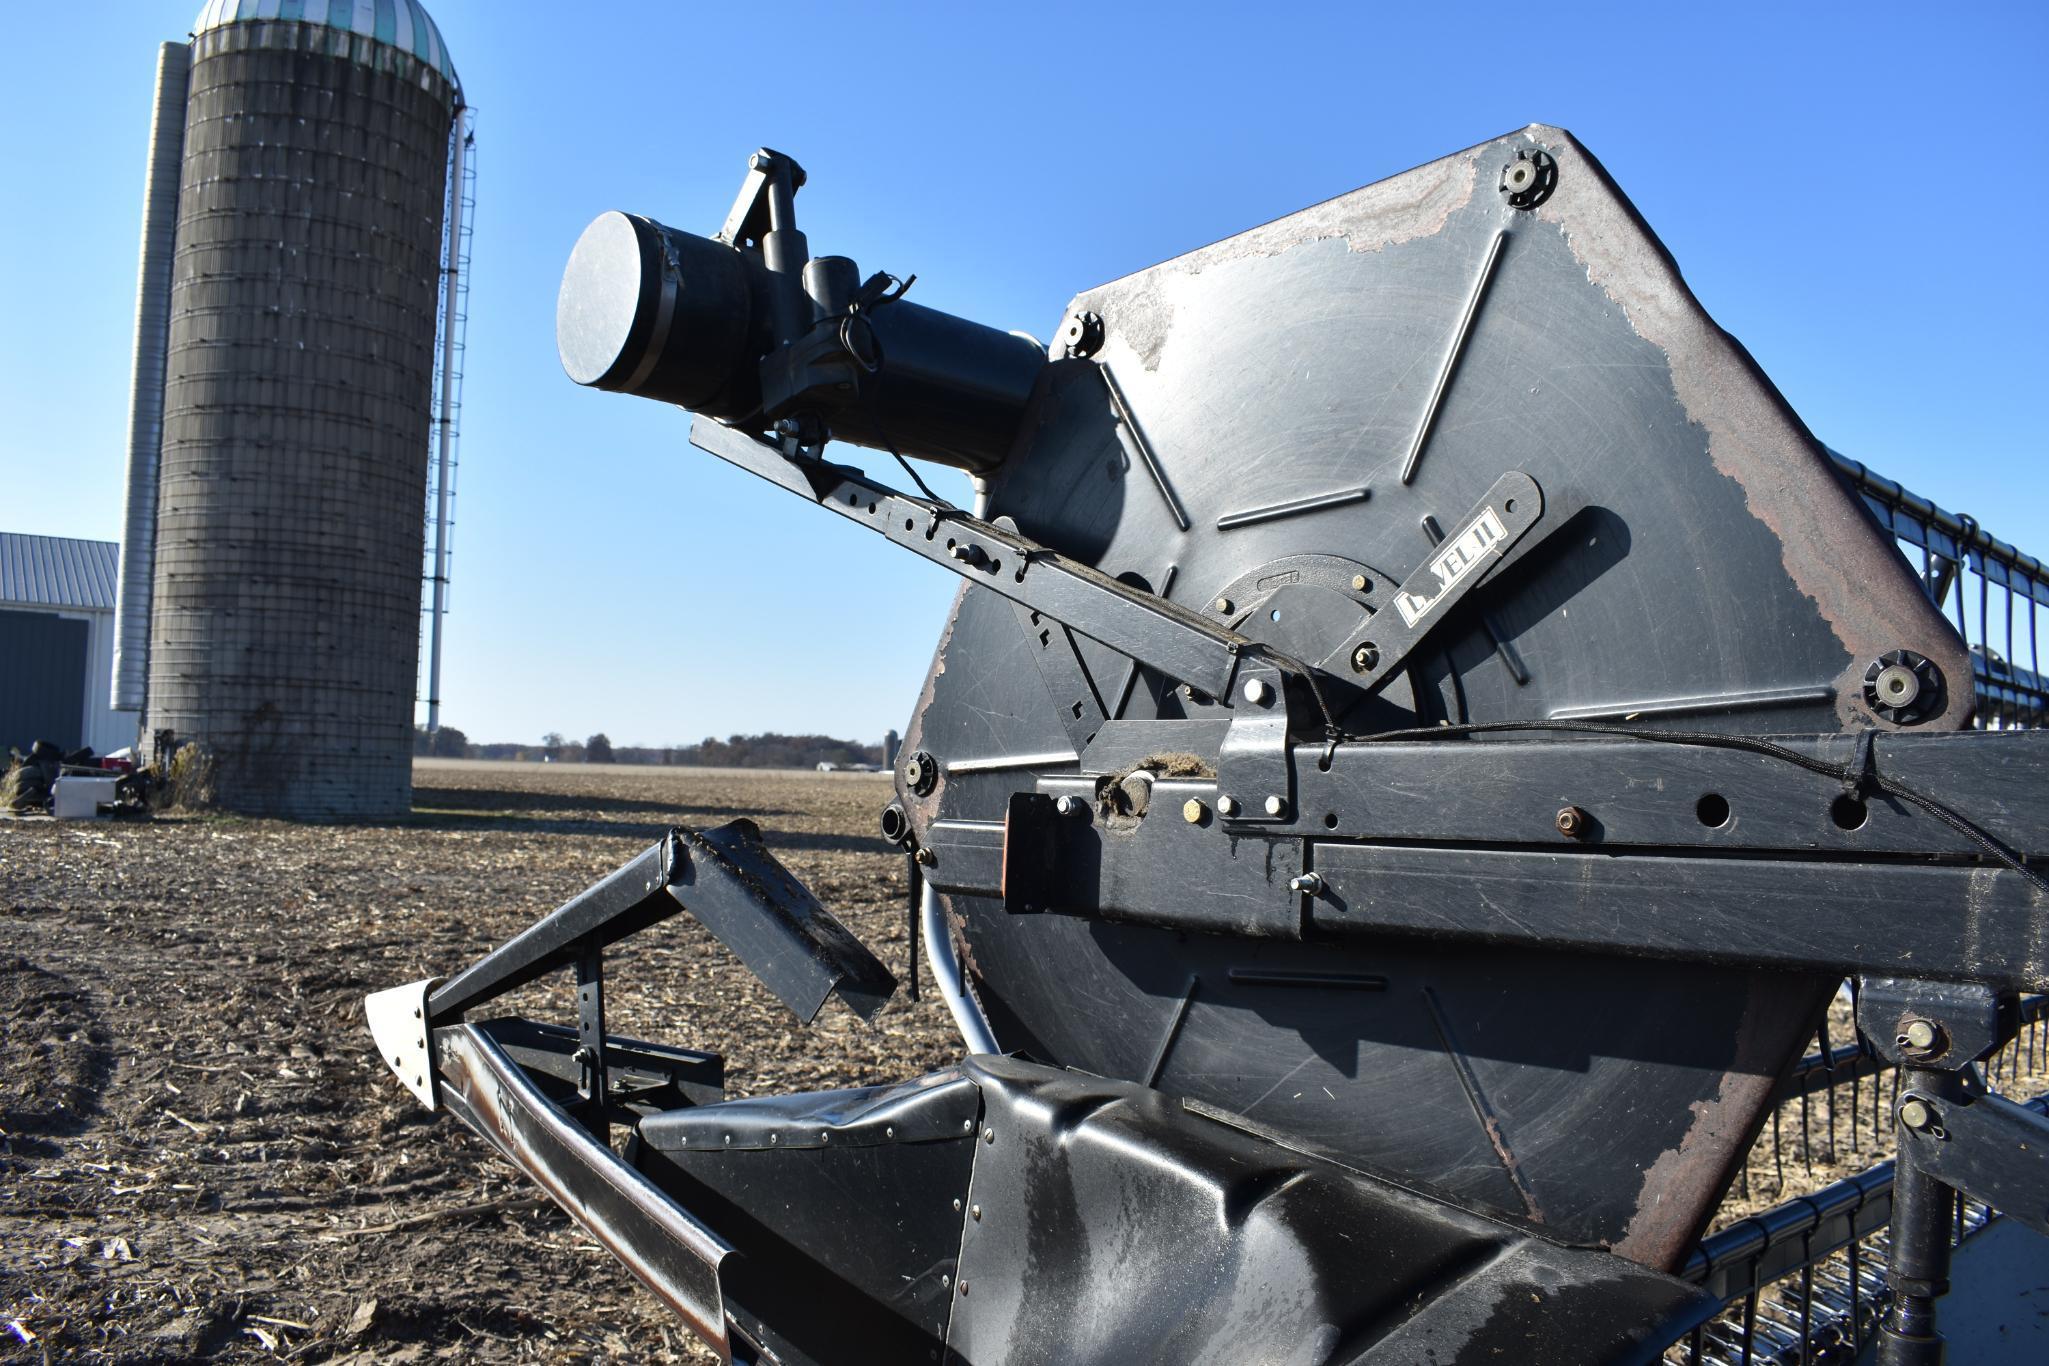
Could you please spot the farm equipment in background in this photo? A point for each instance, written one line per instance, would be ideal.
(1423, 735)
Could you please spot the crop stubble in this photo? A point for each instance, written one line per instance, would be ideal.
(200, 1154)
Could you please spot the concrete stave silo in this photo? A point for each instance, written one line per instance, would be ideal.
(285, 617)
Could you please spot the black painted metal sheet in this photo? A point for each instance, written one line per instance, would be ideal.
(1108, 1224)
(1314, 404)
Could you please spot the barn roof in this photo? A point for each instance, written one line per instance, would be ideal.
(57, 571)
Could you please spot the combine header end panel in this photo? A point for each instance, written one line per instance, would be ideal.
(1423, 734)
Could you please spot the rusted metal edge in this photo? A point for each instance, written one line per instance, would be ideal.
(673, 1255)
(1831, 550)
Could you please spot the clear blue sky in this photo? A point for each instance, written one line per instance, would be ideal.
(1852, 190)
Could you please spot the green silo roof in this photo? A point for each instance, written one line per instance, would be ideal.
(402, 24)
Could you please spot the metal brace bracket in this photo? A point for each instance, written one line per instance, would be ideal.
(398, 1022)
(592, 1082)
(1942, 1026)
(1982, 1144)
(1255, 763)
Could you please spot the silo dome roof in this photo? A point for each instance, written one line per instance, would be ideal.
(402, 24)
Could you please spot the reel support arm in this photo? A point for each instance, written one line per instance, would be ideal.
(1182, 644)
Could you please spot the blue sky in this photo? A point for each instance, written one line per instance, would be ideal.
(1852, 190)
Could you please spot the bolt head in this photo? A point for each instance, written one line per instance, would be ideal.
(1068, 806)
(1573, 822)
(1898, 686)
(1360, 583)
(1082, 334)
(1915, 1113)
(1276, 806)
(1227, 806)
(1919, 1034)
(1193, 811)
(1365, 658)
(975, 1212)
(1225, 606)
(1310, 884)
(1257, 693)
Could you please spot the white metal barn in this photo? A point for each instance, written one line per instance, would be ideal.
(57, 644)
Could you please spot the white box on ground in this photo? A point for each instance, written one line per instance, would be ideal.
(76, 798)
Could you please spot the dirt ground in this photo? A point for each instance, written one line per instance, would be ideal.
(201, 1157)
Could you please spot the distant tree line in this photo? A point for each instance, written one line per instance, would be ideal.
(768, 750)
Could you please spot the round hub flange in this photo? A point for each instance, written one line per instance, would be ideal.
(1903, 687)
(1301, 606)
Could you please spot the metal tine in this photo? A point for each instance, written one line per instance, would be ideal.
(1806, 1307)
(1856, 1285)
(2009, 620)
(1806, 1135)
(1984, 604)
(1962, 563)
(1828, 1064)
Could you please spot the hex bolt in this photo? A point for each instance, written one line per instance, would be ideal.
(967, 554)
(1365, 658)
(1257, 693)
(1227, 806)
(1309, 884)
(1070, 806)
(1917, 1114)
(1224, 605)
(1193, 811)
(926, 858)
(1573, 823)
(1277, 806)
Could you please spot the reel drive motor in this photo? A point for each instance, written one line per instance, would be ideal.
(1422, 734)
